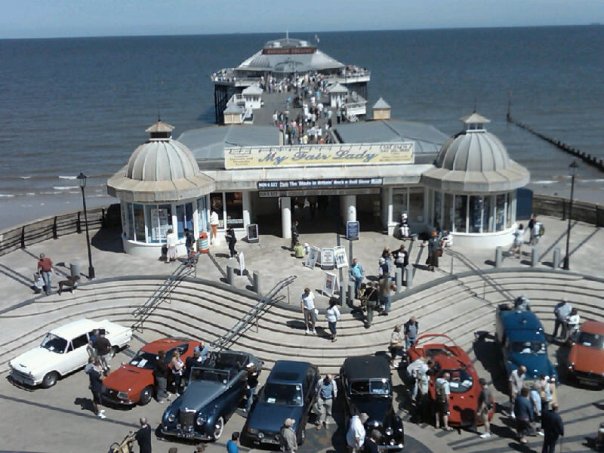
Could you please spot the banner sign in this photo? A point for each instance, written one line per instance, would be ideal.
(312, 257)
(330, 285)
(328, 259)
(322, 155)
(340, 255)
(352, 231)
(320, 183)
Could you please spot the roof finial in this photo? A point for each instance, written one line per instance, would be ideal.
(475, 102)
(158, 116)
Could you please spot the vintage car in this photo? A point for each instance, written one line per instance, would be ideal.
(464, 385)
(133, 383)
(214, 393)
(368, 388)
(63, 350)
(521, 337)
(290, 392)
(586, 357)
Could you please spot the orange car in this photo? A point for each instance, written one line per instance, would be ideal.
(133, 383)
(586, 357)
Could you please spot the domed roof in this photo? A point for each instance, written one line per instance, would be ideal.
(162, 169)
(475, 161)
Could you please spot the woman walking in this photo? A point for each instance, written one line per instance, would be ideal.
(177, 366)
(333, 316)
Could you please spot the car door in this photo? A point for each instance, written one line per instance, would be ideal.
(234, 392)
(75, 355)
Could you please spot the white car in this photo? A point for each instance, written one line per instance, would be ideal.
(63, 350)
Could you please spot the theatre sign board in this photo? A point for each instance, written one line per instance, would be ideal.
(318, 155)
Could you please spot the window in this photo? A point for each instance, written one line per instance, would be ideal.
(80, 341)
(461, 204)
(438, 209)
(500, 212)
(138, 213)
(511, 200)
(184, 218)
(416, 205)
(488, 219)
(160, 221)
(448, 213)
(218, 206)
(476, 206)
(282, 394)
(399, 202)
(202, 214)
(234, 209)
(54, 343)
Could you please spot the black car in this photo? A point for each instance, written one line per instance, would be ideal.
(214, 393)
(368, 388)
(290, 392)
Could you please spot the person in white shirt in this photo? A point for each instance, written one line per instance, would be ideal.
(333, 316)
(516, 383)
(355, 436)
(443, 392)
(307, 305)
(214, 222)
(171, 243)
(572, 324)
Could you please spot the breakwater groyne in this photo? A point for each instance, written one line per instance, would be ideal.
(585, 157)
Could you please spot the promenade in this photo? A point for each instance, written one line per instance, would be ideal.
(453, 300)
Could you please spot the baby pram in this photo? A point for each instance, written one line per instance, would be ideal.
(125, 446)
(38, 284)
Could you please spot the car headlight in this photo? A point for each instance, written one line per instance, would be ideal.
(122, 395)
(171, 418)
(252, 431)
(389, 431)
(260, 435)
(201, 420)
(376, 424)
(571, 366)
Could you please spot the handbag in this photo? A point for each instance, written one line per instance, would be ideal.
(439, 252)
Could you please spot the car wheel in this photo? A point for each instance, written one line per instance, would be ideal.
(114, 351)
(50, 379)
(146, 395)
(218, 428)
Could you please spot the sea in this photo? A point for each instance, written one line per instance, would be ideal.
(83, 104)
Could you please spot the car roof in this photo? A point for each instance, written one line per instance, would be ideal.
(521, 320)
(366, 367)
(593, 327)
(164, 344)
(80, 326)
(289, 370)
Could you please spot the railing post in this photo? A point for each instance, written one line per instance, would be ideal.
(257, 283)
(54, 229)
(399, 279)
(79, 223)
(556, 260)
(498, 256)
(230, 275)
(534, 257)
(409, 270)
(23, 237)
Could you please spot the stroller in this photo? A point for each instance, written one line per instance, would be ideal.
(125, 446)
(38, 284)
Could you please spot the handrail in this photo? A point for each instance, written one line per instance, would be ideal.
(251, 316)
(162, 293)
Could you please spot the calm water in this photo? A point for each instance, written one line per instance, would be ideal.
(71, 105)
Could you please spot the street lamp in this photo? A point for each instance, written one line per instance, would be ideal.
(573, 172)
(82, 180)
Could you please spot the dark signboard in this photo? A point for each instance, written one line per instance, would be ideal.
(319, 183)
(352, 231)
(252, 233)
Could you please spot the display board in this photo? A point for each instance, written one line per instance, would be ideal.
(340, 257)
(311, 259)
(328, 259)
(252, 233)
(353, 230)
(330, 286)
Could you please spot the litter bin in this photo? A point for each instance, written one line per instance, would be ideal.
(74, 268)
(203, 244)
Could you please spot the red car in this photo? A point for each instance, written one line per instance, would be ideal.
(586, 357)
(133, 383)
(448, 357)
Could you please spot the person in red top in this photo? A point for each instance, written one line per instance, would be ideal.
(45, 268)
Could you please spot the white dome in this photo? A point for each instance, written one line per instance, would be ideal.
(473, 151)
(162, 160)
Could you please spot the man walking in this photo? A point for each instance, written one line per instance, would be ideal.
(160, 373)
(214, 222)
(295, 234)
(355, 436)
(553, 429)
(411, 330)
(561, 312)
(443, 393)
(231, 241)
(523, 411)
(103, 350)
(143, 436)
(307, 305)
(516, 384)
(289, 442)
(95, 374)
(356, 274)
(46, 270)
(485, 405)
(327, 391)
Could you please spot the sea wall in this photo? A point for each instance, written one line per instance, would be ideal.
(558, 207)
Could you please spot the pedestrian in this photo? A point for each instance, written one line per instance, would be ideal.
(231, 445)
(299, 250)
(357, 273)
(289, 442)
(251, 386)
(443, 393)
(516, 381)
(573, 321)
(204, 350)
(171, 243)
(531, 227)
(327, 392)
(189, 241)
(553, 428)
(401, 260)
(231, 241)
(371, 444)
(194, 360)
(102, 345)
(143, 436)
(333, 316)
(411, 330)
(295, 234)
(96, 377)
(38, 283)
(434, 251)
(46, 269)
(524, 415)
(371, 302)
(415, 370)
(518, 241)
(485, 406)
(536, 233)
(214, 222)
(307, 305)
(355, 436)
(397, 346)
(178, 367)
(561, 312)
(160, 373)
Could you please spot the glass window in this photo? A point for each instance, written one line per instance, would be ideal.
(488, 219)
(160, 220)
(202, 214)
(184, 218)
(54, 343)
(218, 206)
(500, 212)
(510, 217)
(234, 209)
(475, 214)
(399, 203)
(416, 205)
(129, 223)
(448, 212)
(80, 341)
(461, 202)
(138, 213)
(437, 209)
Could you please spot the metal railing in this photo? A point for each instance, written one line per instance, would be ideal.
(251, 317)
(162, 293)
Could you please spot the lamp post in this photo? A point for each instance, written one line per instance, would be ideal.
(573, 172)
(82, 180)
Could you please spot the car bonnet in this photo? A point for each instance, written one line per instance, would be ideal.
(270, 417)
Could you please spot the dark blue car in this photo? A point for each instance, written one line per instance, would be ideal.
(290, 392)
(522, 340)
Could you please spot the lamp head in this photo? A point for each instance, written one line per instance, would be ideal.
(573, 168)
(82, 179)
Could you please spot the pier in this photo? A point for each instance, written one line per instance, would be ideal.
(585, 157)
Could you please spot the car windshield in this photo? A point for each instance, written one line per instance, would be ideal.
(461, 381)
(528, 347)
(370, 387)
(207, 374)
(591, 340)
(282, 394)
(54, 343)
(144, 360)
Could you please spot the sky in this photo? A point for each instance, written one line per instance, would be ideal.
(74, 18)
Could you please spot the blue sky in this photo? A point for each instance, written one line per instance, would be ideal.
(66, 18)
